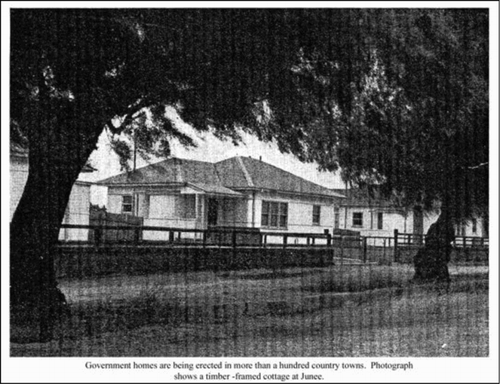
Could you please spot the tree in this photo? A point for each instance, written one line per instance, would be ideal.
(325, 84)
(421, 125)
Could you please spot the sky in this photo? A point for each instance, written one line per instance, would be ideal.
(211, 149)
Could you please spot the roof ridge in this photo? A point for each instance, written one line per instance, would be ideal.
(245, 172)
(219, 179)
(178, 169)
(290, 173)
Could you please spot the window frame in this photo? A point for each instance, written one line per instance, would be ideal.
(264, 214)
(188, 201)
(380, 220)
(354, 219)
(274, 212)
(316, 216)
(336, 217)
(131, 204)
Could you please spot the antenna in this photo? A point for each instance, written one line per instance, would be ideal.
(135, 152)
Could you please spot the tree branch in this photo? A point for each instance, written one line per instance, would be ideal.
(479, 165)
(129, 115)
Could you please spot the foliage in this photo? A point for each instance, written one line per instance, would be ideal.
(417, 124)
(396, 97)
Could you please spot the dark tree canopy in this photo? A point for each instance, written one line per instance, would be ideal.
(396, 96)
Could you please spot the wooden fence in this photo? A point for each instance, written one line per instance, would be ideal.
(381, 249)
(410, 239)
(99, 218)
(114, 232)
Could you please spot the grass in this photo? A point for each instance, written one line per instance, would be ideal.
(355, 310)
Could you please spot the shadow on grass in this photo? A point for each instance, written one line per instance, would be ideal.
(369, 298)
(271, 275)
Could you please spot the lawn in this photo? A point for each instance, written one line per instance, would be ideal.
(341, 310)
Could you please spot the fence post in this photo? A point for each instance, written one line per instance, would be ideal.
(384, 252)
(137, 235)
(98, 235)
(204, 238)
(171, 236)
(396, 255)
(341, 249)
(285, 237)
(365, 249)
(233, 240)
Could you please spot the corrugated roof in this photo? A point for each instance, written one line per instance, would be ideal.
(216, 189)
(361, 198)
(235, 173)
(173, 170)
(262, 175)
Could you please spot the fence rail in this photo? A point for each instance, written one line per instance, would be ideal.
(410, 239)
(100, 235)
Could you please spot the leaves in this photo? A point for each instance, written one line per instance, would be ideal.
(397, 97)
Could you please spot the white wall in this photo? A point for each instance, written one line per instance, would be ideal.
(164, 212)
(77, 212)
(164, 208)
(300, 216)
(460, 230)
(391, 220)
(404, 224)
(18, 178)
(159, 208)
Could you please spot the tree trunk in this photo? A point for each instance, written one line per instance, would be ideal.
(431, 261)
(55, 161)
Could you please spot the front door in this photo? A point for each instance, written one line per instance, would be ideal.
(213, 207)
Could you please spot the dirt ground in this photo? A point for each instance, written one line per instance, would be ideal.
(350, 310)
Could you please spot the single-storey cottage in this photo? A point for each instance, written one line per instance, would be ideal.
(372, 215)
(237, 192)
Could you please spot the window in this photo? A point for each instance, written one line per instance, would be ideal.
(337, 218)
(316, 214)
(200, 206)
(474, 226)
(265, 214)
(127, 204)
(380, 220)
(187, 206)
(357, 219)
(461, 230)
(283, 215)
(274, 214)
